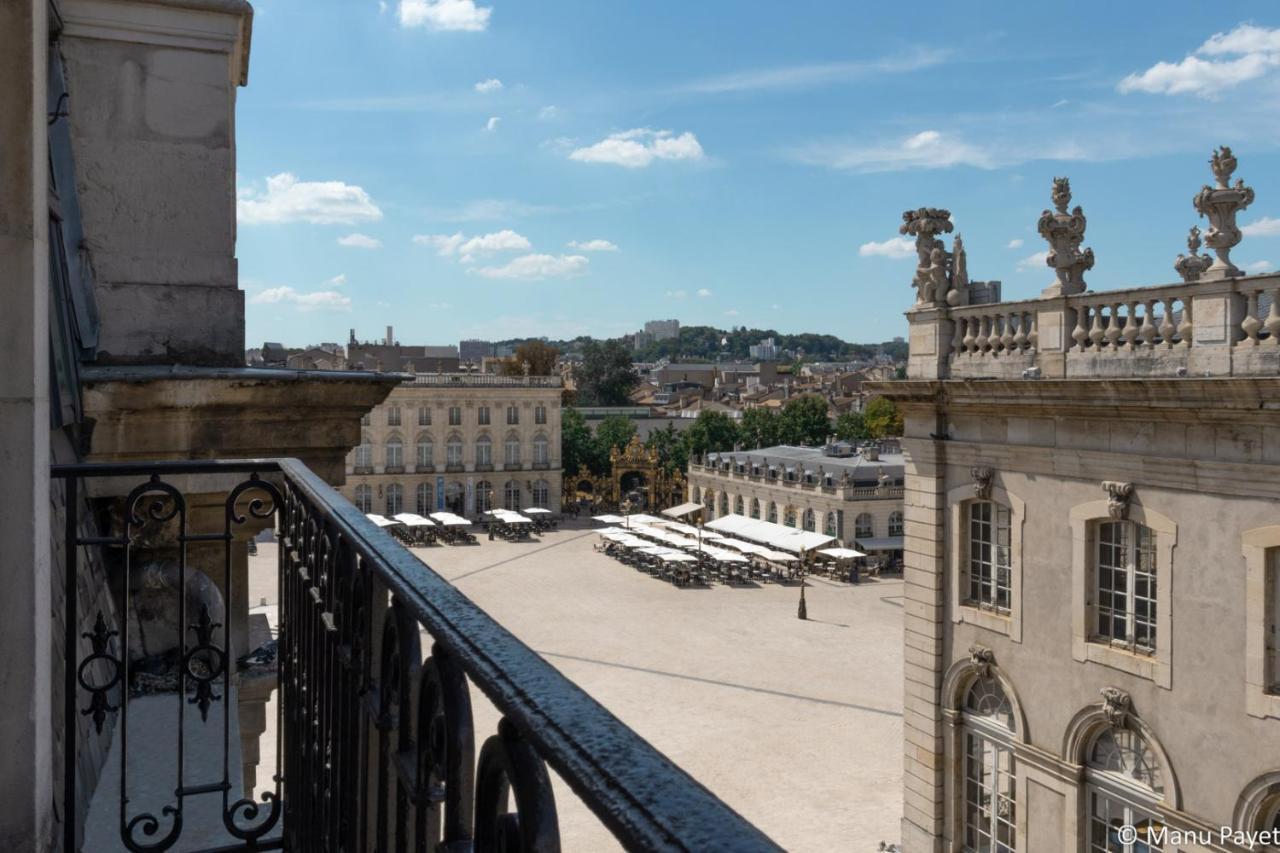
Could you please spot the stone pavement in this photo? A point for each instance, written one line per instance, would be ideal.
(797, 725)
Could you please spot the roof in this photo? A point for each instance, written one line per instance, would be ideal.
(881, 543)
(859, 467)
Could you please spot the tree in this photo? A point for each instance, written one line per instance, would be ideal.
(577, 446)
(672, 452)
(539, 355)
(882, 418)
(805, 421)
(851, 426)
(605, 377)
(613, 431)
(711, 432)
(760, 427)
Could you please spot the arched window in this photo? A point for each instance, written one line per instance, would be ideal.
(789, 516)
(541, 450)
(395, 499)
(755, 507)
(542, 494)
(696, 495)
(512, 452)
(395, 452)
(1125, 786)
(831, 526)
(708, 498)
(364, 498)
(484, 496)
(1124, 580)
(455, 498)
(988, 577)
(484, 451)
(425, 505)
(808, 521)
(364, 453)
(773, 512)
(895, 523)
(738, 505)
(453, 452)
(864, 526)
(426, 451)
(724, 504)
(990, 773)
(511, 496)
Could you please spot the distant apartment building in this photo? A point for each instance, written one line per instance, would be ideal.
(656, 330)
(766, 350)
(390, 356)
(461, 442)
(474, 351)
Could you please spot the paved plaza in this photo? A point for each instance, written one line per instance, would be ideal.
(797, 725)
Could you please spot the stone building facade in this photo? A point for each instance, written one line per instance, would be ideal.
(854, 494)
(1092, 551)
(462, 442)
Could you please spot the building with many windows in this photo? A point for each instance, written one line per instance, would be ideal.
(1092, 554)
(854, 494)
(462, 442)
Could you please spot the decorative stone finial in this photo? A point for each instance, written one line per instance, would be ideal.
(982, 659)
(1115, 706)
(1065, 232)
(1192, 266)
(982, 477)
(959, 273)
(925, 224)
(1221, 204)
(1118, 497)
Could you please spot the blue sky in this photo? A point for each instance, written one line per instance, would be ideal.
(508, 168)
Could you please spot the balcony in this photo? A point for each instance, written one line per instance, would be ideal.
(484, 466)
(454, 468)
(362, 469)
(424, 469)
(393, 469)
(373, 662)
(542, 466)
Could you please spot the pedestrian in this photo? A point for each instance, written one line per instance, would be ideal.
(853, 573)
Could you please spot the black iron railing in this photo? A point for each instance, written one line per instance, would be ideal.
(377, 748)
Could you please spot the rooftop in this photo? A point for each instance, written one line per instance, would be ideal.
(860, 467)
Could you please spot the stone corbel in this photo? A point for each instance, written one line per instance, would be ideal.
(982, 659)
(1115, 706)
(982, 477)
(1118, 497)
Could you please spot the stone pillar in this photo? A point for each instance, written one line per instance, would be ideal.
(1216, 314)
(931, 330)
(1054, 324)
(26, 781)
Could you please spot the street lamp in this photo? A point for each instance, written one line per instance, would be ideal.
(802, 612)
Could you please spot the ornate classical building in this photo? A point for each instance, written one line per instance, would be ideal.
(1093, 553)
(636, 475)
(462, 442)
(854, 494)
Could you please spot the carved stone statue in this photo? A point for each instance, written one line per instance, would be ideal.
(1118, 497)
(925, 224)
(1192, 266)
(1065, 232)
(982, 477)
(1115, 706)
(982, 659)
(959, 274)
(1221, 204)
(937, 284)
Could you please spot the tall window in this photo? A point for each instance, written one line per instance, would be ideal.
(395, 452)
(541, 494)
(453, 452)
(425, 504)
(808, 521)
(482, 416)
(364, 454)
(455, 416)
(832, 525)
(364, 498)
(990, 773)
(484, 496)
(511, 495)
(895, 523)
(424, 416)
(366, 419)
(539, 414)
(511, 451)
(426, 451)
(393, 416)
(988, 574)
(1125, 786)
(395, 499)
(773, 513)
(541, 451)
(864, 527)
(513, 415)
(455, 497)
(789, 516)
(755, 507)
(738, 506)
(696, 494)
(1125, 585)
(724, 504)
(1271, 609)
(484, 450)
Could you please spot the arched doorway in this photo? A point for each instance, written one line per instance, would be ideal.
(633, 486)
(455, 498)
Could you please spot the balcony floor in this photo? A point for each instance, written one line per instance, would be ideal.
(797, 725)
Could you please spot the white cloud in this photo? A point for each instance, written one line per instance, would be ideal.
(677, 294)
(1259, 266)
(360, 241)
(287, 199)
(592, 246)
(816, 74)
(635, 149)
(493, 84)
(549, 112)
(537, 266)
(382, 7)
(444, 15)
(1015, 243)
(1223, 62)
(732, 312)
(1033, 262)
(1264, 227)
(928, 149)
(324, 300)
(492, 124)
(704, 292)
(894, 247)
(337, 281)
(447, 245)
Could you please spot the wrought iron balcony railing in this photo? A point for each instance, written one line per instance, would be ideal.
(376, 742)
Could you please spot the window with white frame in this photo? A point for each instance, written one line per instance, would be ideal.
(513, 415)
(393, 416)
(541, 450)
(511, 496)
(540, 414)
(395, 499)
(1125, 786)
(808, 521)
(738, 505)
(541, 494)
(789, 516)
(366, 419)
(988, 576)
(831, 526)
(364, 454)
(426, 451)
(511, 451)
(424, 416)
(453, 452)
(989, 796)
(484, 450)
(425, 505)
(482, 415)
(755, 507)
(484, 496)
(895, 523)
(724, 504)
(773, 513)
(1124, 580)
(395, 452)
(455, 416)
(864, 526)
(364, 498)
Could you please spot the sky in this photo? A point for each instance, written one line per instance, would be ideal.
(508, 168)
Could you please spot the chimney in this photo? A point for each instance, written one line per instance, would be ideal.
(390, 338)
(872, 453)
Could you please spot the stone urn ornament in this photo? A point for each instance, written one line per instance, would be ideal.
(930, 281)
(1220, 204)
(1065, 232)
(1192, 266)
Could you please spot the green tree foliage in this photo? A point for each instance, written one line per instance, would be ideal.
(805, 421)
(614, 431)
(577, 445)
(711, 432)
(605, 377)
(851, 426)
(760, 427)
(539, 355)
(882, 418)
(672, 452)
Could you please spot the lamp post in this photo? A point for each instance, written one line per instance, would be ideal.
(802, 612)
